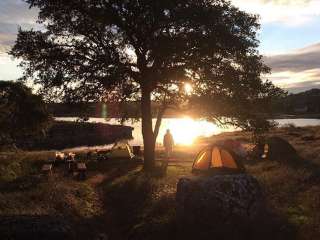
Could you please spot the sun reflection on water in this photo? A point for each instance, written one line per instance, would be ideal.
(186, 130)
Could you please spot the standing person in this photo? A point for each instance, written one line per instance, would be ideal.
(168, 143)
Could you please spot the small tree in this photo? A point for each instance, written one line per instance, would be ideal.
(142, 50)
(22, 114)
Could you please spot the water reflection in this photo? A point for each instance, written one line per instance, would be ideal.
(186, 130)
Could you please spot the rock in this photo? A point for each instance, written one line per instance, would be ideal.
(218, 205)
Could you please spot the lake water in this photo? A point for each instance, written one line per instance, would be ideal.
(186, 130)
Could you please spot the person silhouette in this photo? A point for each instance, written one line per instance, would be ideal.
(168, 143)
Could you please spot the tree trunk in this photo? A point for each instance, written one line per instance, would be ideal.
(158, 122)
(147, 130)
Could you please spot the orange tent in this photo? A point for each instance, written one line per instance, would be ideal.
(217, 158)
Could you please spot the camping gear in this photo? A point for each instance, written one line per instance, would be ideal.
(137, 150)
(47, 169)
(235, 145)
(217, 158)
(92, 155)
(276, 148)
(82, 169)
(120, 150)
(60, 156)
(70, 156)
(70, 162)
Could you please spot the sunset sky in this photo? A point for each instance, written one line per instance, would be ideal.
(290, 38)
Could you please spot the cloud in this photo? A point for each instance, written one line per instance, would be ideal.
(288, 12)
(17, 12)
(301, 87)
(296, 70)
(296, 61)
(291, 80)
(286, 2)
(8, 34)
(14, 14)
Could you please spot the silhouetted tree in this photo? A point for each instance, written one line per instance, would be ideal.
(22, 114)
(128, 50)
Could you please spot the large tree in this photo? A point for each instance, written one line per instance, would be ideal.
(146, 50)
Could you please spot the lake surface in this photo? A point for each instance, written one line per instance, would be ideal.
(186, 130)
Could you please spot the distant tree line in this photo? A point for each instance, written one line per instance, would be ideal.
(123, 110)
(307, 102)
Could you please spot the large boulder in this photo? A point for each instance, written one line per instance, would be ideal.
(223, 206)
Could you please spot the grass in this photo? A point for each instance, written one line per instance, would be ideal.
(23, 192)
(120, 201)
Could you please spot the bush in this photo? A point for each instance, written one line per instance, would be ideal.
(22, 113)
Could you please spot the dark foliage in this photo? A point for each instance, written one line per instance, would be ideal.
(22, 114)
(307, 102)
(64, 135)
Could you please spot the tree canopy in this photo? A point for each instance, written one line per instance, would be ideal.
(142, 50)
(22, 114)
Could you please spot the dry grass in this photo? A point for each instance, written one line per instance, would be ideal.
(293, 192)
(123, 202)
(24, 192)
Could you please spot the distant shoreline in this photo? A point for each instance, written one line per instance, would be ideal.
(64, 134)
(280, 116)
(300, 116)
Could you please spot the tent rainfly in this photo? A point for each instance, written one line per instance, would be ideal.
(279, 149)
(121, 150)
(217, 159)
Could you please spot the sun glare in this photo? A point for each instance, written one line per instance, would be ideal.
(188, 88)
(186, 130)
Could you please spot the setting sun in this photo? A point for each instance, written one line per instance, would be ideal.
(186, 130)
(188, 88)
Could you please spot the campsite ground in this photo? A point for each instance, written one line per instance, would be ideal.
(119, 201)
